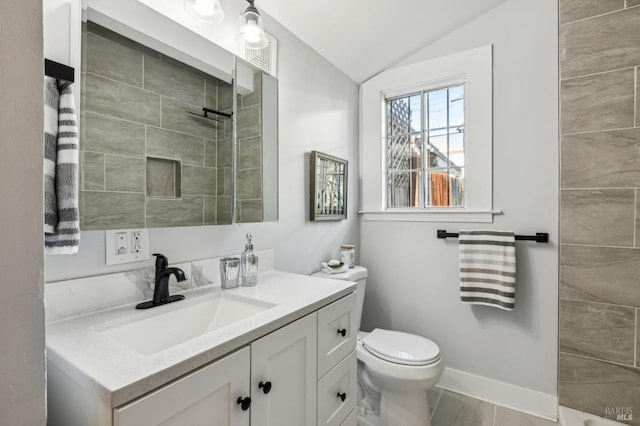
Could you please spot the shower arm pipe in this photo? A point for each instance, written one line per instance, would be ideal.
(206, 111)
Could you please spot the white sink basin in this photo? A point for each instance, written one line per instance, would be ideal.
(169, 328)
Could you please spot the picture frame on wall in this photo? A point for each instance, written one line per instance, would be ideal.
(328, 187)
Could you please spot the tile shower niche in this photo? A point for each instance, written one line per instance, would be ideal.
(163, 178)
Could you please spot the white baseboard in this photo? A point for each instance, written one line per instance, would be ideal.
(504, 394)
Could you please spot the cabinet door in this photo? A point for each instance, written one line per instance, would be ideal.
(207, 397)
(351, 420)
(336, 332)
(286, 360)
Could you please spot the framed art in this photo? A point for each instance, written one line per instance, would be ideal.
(328, 188)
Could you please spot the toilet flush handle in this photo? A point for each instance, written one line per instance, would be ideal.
(342, 331)
(342, 396)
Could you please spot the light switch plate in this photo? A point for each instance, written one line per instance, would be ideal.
(126, 245)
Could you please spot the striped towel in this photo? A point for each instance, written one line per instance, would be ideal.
(51, 101)
(488, 268)
(62, 224)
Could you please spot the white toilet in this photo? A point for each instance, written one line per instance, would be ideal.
(395, 369)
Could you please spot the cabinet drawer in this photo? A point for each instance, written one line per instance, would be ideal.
(340, 382)
(333, 321)
(352, 419)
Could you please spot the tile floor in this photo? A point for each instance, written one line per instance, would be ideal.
(452, 409)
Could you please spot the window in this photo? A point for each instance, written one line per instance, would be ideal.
(425, 148)
(426, 140)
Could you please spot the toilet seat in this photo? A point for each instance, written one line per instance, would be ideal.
(401, 348)
(398, 377)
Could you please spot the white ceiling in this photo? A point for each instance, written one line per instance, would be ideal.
(364, 37)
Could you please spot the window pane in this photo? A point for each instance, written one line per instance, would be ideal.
(456, 106)
(438, 188)
(398, 116)
(446, 188)
(403, 189)
(398, 153)
(415, 113)
(456, 187)
(438, 151)
(404, 153)
(437, 100)
(456, 149)
(415, 151)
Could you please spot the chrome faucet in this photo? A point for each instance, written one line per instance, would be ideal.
(161, 288)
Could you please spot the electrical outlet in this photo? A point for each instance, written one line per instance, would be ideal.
(127, 245)
(121, 243)
(136, 242)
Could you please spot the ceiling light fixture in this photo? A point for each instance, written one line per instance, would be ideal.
(251, 34)
(208, 11)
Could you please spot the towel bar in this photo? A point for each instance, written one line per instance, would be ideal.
(540, 237)
(58, 71)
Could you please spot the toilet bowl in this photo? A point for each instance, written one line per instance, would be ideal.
(395, 369)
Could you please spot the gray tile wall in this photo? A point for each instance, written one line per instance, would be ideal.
(599, 368)
(249, 154)
(145, 162)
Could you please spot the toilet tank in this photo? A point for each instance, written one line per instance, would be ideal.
(358, 274)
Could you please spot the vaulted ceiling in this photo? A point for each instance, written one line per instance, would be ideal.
(364, 37)
(360, 37)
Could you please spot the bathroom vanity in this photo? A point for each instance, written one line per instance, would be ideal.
(280, 353)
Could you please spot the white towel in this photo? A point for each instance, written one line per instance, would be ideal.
(488, 268)
(62, 233)
(329, 270)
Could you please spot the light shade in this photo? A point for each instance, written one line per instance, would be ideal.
(251, 34)
(208, 11)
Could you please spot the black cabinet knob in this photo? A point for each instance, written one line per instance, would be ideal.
(342, 331)
(245, 403)
(265, 386)
(342, 396)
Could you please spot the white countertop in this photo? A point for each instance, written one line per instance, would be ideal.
(119, 374)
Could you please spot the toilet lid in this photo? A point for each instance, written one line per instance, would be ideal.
(401, 348)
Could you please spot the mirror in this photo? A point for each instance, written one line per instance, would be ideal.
(257, 144)
(164, 141)
(328, 184)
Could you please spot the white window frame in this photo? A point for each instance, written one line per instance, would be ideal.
(474, 69)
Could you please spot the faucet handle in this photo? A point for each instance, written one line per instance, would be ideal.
(162, 262)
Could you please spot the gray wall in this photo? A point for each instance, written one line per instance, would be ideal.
(22, 368)
(600, 176)
(318, 110)
(413, 280)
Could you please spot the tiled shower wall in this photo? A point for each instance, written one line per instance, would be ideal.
(249, 158)
(600, 208)
(146, 162)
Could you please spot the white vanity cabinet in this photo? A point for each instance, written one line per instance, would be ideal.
(301, 374)
(279, 370)
(207, 397)
(283, 376)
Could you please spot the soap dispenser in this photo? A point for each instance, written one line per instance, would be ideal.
(249, 263)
